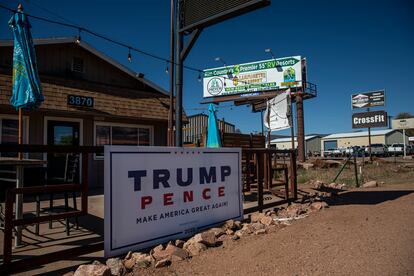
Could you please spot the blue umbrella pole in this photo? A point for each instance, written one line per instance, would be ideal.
(20, 134)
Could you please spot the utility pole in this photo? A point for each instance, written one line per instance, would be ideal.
(178, 77)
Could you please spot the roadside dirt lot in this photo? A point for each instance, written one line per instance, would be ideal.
(364, 232)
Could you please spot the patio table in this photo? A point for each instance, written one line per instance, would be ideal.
(20, 165)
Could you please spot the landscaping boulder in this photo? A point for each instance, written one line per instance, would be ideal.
(116, 266)
(93, 270)
(319, 205)
(256, 217)
(267, 220)
(196, 248)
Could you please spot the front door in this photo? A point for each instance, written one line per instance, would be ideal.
(63, 166)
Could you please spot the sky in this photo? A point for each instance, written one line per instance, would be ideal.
(350, 46)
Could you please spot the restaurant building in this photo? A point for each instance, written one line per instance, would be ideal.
(90, 99)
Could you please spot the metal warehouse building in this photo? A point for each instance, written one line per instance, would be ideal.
(312, 143)
(344, 140)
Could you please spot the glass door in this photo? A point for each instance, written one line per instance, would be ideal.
(63, 166)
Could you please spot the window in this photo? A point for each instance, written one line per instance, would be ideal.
(120, 134)
(9, 132)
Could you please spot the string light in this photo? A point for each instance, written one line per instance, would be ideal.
(78, 38)
(129, 55)
(166, 69)
(199, 76)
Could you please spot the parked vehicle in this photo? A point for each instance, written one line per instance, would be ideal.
(396, 149)
(377, 150)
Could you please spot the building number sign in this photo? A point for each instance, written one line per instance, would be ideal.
(83, 101)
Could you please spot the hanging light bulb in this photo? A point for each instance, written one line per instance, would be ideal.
(166, 68)
(129, 55)
(78, 38)
(199, 76)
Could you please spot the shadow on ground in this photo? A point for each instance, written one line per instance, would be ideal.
(366, 197)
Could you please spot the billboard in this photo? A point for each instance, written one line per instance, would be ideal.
(266, 75)
(157, 194)
(203, 13)
(369, 99)
(407, 123)
(369, 119)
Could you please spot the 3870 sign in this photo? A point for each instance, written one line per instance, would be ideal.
(83, 101)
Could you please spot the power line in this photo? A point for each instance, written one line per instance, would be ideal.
(104, 37)
(130, 48)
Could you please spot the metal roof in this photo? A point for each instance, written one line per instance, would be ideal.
(359, 134)
(289, 139)
(86, 46)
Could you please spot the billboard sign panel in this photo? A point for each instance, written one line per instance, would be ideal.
(370, 99)
(203, 13)
(279, 108)
(369, 119)
(407, 123)
(157, 194)
(266, 75)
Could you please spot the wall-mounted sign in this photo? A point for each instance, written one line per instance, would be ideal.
(369, 119)
(76, 100)
(411, 138)
(370, 99)
(266, 75)
(403, 123)
(157, 194)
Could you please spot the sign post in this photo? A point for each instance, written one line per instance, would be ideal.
(403, 124)
(369, 119)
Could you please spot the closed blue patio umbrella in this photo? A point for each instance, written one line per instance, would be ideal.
(27, 91)
(213, 136)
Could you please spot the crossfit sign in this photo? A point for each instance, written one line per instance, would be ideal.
(369, 119)
(157, 194)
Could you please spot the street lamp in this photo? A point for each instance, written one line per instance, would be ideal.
(269, 51)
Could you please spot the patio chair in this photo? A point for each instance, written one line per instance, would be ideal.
(69, 176)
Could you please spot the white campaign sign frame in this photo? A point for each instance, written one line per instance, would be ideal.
(157, 194)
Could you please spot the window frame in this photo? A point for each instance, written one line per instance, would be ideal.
(26, 122)
(113, 124)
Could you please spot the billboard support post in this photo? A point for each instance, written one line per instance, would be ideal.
(301, 127)
(369, 142)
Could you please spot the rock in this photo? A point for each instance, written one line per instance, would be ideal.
(142, 264)
(294, 210)
(370, 184)
(70, 273)
(158, 248)
(238, 225)
(230, 224)
(258, 226)
(129, 255)
(96, 262)
(255, 217)
(208, 238)
(247, 228)
(235, 237)
(317, 184)
(319, 205)
(266, 221)
(129, 263)
(260, 232)
(179, 243)
(196, 248)
(171, 252)
(116, 266)
(229, 232)
(93, 269)
(218, 231)
(162, 263)
(136, 258)
(240, 233)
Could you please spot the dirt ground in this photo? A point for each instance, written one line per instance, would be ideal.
(364, 232)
